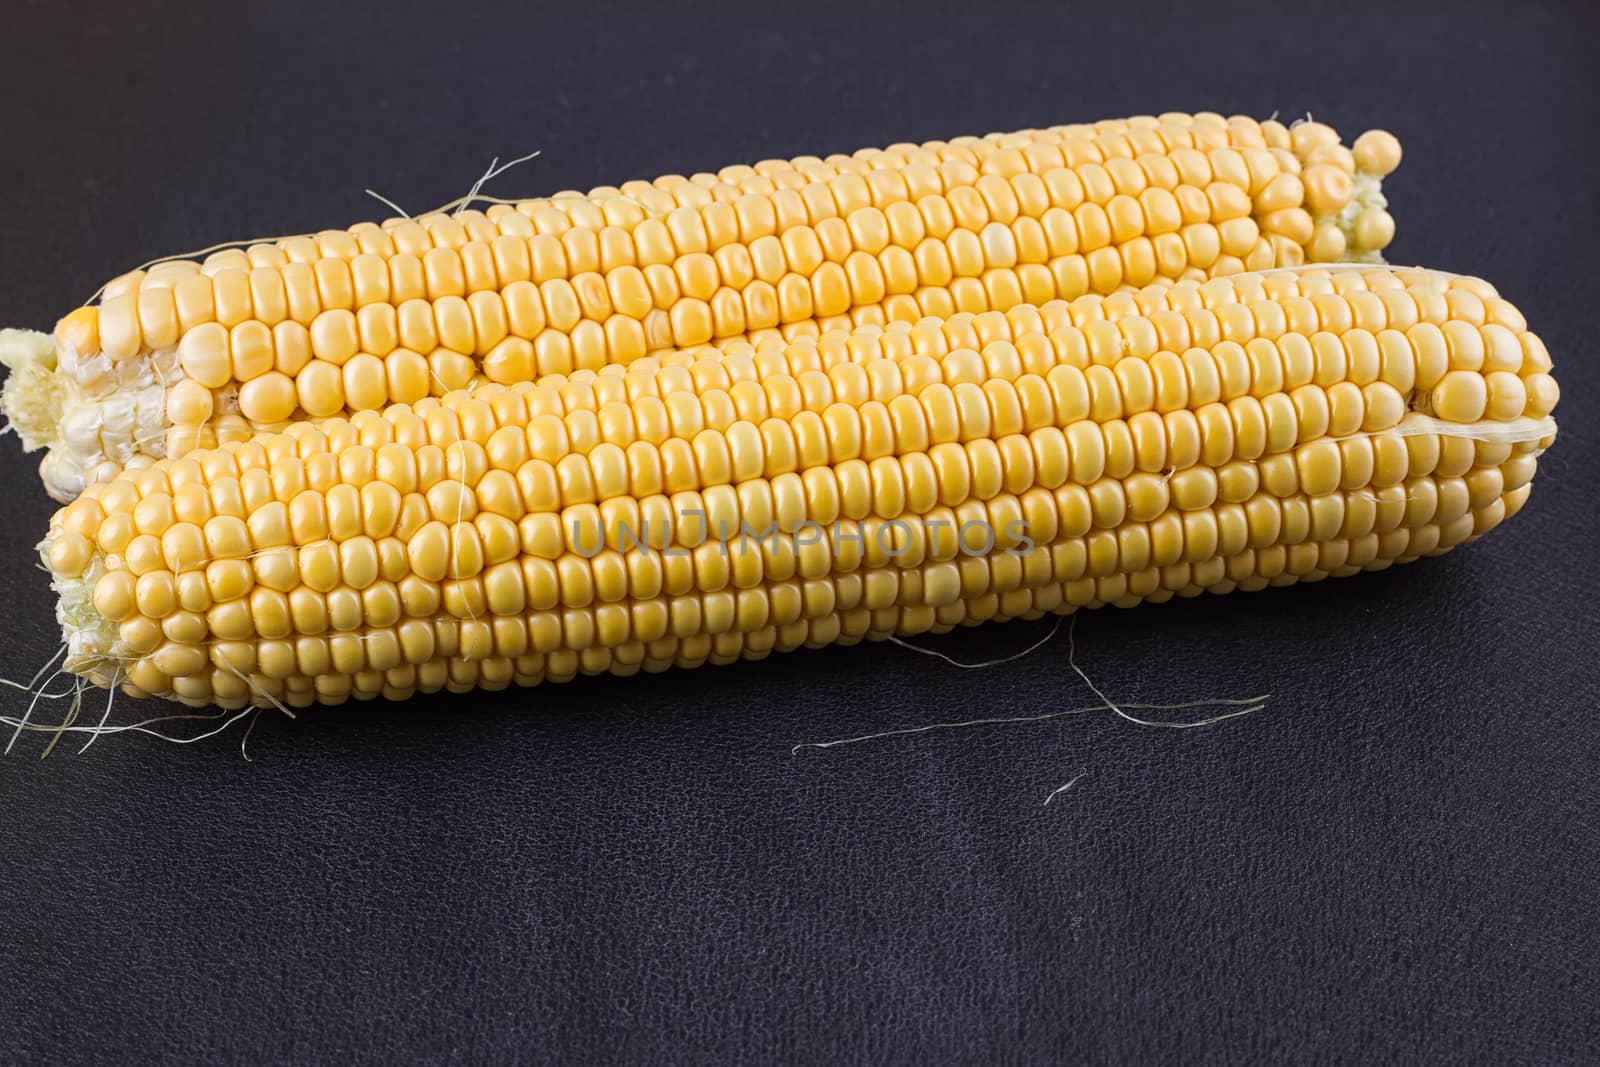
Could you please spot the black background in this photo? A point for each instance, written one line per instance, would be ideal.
(1396, 862)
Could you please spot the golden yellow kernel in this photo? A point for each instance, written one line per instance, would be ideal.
(1327, 190)
(1376, 152)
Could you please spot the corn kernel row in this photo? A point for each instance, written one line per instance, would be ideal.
(1074, 218)
(675, 298)
(475, 568)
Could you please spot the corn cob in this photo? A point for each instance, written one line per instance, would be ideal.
(192, 354)
(1238, 433)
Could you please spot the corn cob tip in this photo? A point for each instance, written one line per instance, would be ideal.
(1343, 188)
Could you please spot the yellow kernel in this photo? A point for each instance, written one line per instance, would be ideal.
(1376, 152)
(320, 389)
(1460, 396)
(203, 355)
(335, 336)
(268, 398)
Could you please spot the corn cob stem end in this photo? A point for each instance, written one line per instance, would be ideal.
(32, 397)
(89, 635)
(87, 410)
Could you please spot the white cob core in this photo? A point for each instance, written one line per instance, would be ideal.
(90, 637)
(1366, 192)
(92, 413)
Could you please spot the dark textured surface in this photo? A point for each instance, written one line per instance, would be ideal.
(1397, 862)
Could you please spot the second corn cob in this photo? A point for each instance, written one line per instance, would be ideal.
(1239, 433)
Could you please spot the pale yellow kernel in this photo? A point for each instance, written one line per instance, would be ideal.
(335, 336)
(268, 398)
(365, 384)
(203, 355)
(320, 389)
(291, 347)
(1460, 396)
(1508, 395)
(406, 375)
(188, 403)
